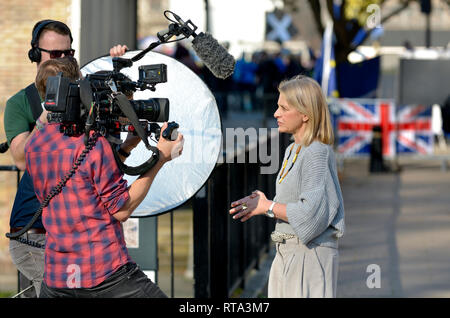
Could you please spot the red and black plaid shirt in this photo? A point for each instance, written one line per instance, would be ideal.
(85, 243)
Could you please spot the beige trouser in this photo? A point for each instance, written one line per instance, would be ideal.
(303, 271)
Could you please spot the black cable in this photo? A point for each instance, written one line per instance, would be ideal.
(29, 242)
(165, 15)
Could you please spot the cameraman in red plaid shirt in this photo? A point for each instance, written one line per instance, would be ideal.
(85, 253)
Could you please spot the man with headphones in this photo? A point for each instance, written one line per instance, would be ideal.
(24, 115)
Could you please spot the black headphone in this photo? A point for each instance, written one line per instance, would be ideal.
(34, 54)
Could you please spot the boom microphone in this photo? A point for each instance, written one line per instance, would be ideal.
(215, 56)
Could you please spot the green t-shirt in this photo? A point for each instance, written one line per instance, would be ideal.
(18, 116)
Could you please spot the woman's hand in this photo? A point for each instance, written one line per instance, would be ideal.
(249, 206)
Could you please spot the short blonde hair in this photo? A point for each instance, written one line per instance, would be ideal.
(67, 65)
(305, 94)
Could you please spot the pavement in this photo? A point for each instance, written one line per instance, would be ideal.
(401, 223)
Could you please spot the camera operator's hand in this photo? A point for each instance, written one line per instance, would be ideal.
(169, 150)
(131, 141)
(118, 50)
(128, 145)
(43, 116)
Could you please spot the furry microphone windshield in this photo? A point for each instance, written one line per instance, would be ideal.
(215, 56)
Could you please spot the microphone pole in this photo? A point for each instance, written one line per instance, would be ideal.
(141, 54)
(119, 62)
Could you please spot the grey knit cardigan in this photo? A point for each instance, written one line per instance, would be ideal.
(311, 190)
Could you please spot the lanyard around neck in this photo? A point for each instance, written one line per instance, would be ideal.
(286, 161)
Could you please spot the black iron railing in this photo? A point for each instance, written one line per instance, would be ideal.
(21, 280)
(226, 250)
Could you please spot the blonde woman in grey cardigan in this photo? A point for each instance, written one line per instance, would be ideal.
(308, 204)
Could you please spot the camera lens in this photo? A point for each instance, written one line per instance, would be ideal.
(153, 109)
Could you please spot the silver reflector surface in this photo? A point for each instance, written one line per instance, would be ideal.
(194, 108)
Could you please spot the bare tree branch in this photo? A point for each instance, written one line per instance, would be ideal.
(384, 19)
(316, 9)
(342, 9)
(345, 30)
(396, 11)
(330, 7)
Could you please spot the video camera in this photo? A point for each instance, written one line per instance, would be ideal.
(92, 102)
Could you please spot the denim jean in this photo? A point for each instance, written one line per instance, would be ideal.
(127, 282)
(29, 260)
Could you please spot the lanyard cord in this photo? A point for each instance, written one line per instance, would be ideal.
(286, 161)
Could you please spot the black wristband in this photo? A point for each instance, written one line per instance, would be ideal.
(122, 152)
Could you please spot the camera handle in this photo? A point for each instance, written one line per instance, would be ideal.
(120, 62)
(128, 111)
(54, 192)
(138, 170)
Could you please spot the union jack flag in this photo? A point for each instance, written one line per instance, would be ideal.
(405, 129)
(414, 130)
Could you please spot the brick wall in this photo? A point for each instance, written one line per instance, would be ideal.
(17, 19)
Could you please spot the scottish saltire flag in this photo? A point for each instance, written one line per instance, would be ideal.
(404, 130)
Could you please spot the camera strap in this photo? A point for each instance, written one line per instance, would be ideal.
(127, 109)
(86, 99)
(34, 100)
